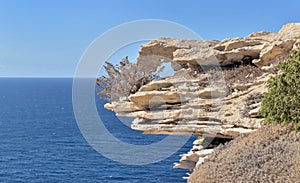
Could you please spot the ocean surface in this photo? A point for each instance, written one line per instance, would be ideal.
(41, 142)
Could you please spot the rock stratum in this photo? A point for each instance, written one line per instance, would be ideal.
(214, 91)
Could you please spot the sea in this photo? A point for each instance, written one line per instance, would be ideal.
(41, 142)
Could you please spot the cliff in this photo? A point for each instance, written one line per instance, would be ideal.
(214, 91)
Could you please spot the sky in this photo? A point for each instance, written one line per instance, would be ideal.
(47, 38)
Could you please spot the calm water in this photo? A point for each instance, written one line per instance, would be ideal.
(40, 140)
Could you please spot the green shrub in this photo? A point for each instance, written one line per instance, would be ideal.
(281, 104)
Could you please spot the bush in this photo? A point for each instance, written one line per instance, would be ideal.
(270, 154)
(123, 79)
(281, 104)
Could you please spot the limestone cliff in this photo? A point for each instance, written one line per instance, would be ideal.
(214, 91)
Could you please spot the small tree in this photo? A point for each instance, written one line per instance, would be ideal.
(124, 79)
(281, 104)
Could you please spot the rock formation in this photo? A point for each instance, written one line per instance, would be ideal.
(214, 91)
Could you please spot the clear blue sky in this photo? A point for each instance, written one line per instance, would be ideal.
(46, 38)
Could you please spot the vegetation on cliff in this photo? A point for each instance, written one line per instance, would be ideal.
(123, 79)
(271, 154)
(281, 104)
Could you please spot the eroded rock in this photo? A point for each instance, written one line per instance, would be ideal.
(188, 104)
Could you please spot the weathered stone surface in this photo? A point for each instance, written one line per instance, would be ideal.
(237, 55)
(263, 35)
(177, 112)
(290, 31)
(122, 107)
(265, 47)
(173, 111)
(254, 112)
(164, 48)
(195, 56)
(209, 93)
(154, 98)
(274, 53)
(201, 150)
(190, 159)
(296, 45)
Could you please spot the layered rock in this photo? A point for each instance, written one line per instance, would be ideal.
(264, 48)
(212, 92)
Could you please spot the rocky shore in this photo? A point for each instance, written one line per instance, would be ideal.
(214, 92)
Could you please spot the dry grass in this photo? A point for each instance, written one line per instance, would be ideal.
(271, 154)
(232, 75)
(243, 74)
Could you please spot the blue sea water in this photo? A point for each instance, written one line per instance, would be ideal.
(41, 142)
